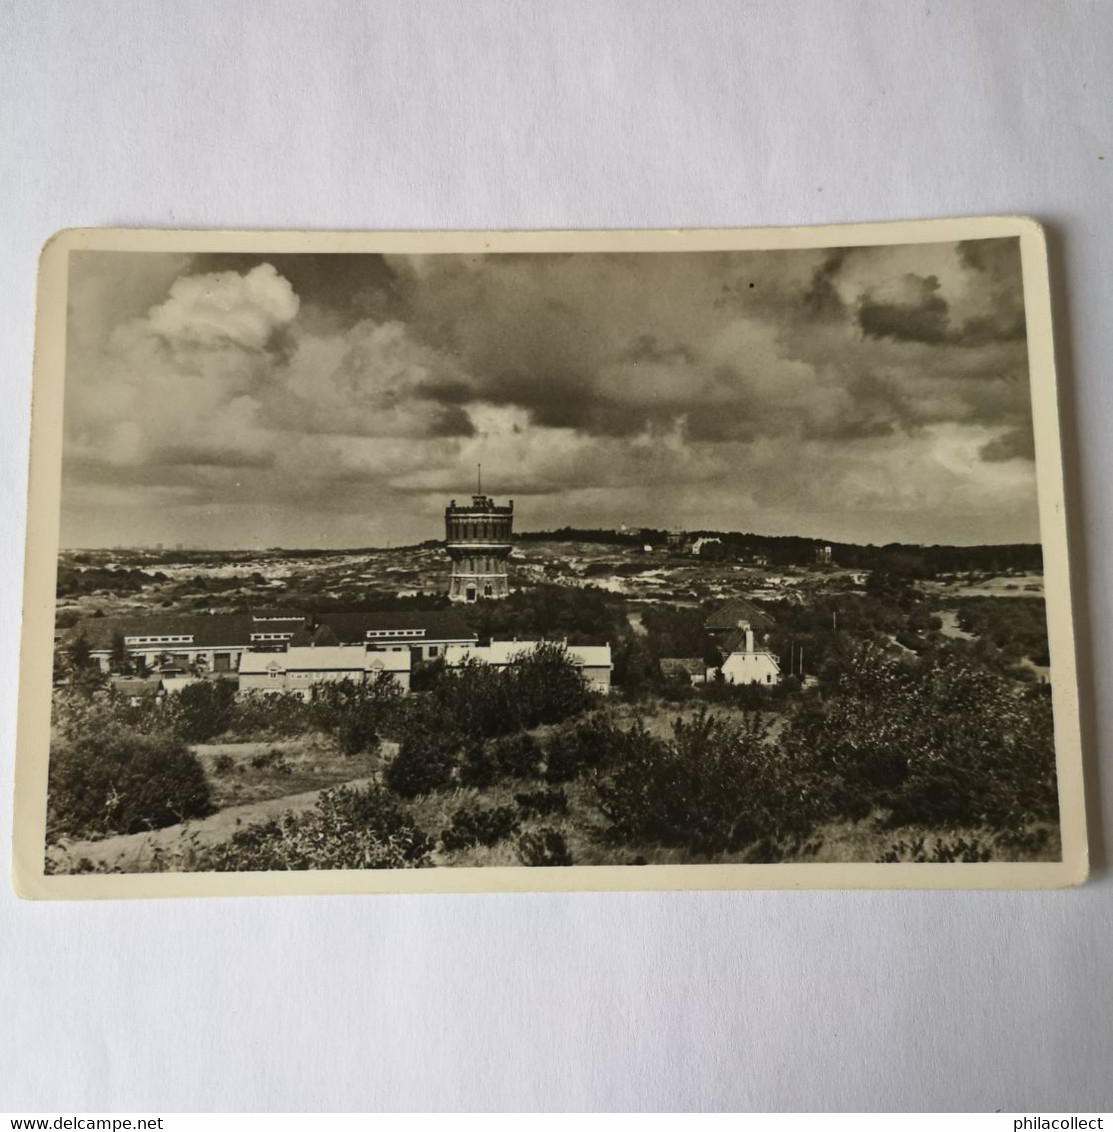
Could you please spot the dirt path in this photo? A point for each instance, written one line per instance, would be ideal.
(128, 849)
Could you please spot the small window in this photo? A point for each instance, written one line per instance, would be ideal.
(433, 651)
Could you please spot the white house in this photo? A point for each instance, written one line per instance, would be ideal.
(594, 661)
(301, 667)
(748, 664)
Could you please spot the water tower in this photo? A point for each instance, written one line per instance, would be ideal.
(477, 538)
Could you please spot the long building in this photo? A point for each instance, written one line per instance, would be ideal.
(593, 661)
(219, 642)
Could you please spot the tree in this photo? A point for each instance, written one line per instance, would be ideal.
(81, 654)
(202, 710)
(119, 661)
(113, 779)
(943, 742)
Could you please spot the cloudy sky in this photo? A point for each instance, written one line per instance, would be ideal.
(868, 395)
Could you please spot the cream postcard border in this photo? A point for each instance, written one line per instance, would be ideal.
(40, 574)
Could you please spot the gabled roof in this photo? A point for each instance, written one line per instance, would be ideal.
(207, 630)
(501, 653)
(324, 658)
(438, 625)
(736, 642)
(727, 616)
(321, 635)
(233, 630)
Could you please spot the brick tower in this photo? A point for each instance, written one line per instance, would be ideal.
(477, 538)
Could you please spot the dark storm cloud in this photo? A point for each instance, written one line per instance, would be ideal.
(336, 290)
(822, 299)
(921, 319)
(920, 313)
(451, 420)
(179, 455)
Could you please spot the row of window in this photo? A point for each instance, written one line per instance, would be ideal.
(394, 633)
(497, 531)
(185, 639)
(272, 636)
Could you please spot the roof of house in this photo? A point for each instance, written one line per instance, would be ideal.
(506, 652)
(207, 630)
(438, 625)
(233, 630)
(682, 666)
(737, 609)
(736, 642)
(324, 658)
(321, 635)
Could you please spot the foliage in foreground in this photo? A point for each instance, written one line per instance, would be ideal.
(112, 779)
(348, 828)
(714, 787)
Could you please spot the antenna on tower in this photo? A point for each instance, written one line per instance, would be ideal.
(478, 479)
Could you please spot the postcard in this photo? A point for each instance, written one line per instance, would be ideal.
(489, 562)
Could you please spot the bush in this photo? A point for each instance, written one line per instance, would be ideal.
(274, 759)
(478, 766)
(223, 764)
(543, 686)
(113, 779)
(941, 852)
(263, 717)
(518, 756)
(355, 712)
(426, 761)
(715, 787)
(201, 711)
(542, 803)
(547, 687)
(572, 750)
(544, 848)
(945, 744)
(474, 826)
(348, 828)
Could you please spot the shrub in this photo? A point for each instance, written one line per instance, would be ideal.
(274, 759)
(355, 712)
(547, 686)
(426, 761)
(544, 848)
(223, 764)
(116, 780)
(572, 750)
(542, 803)
(262, 717)
(348, 828)
(478, 766)
(947, 743)
(474, 826)
(941, 852)
(518, 756)
(714, 787)
(201, 711)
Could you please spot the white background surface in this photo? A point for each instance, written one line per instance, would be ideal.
(496, 115)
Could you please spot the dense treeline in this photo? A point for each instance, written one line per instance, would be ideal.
(73, 582)
(790, 550)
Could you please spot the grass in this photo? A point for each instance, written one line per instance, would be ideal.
(240, 773)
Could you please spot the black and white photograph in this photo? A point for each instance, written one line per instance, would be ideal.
(569, 560)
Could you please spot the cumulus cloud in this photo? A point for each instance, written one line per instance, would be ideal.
(349, 395)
